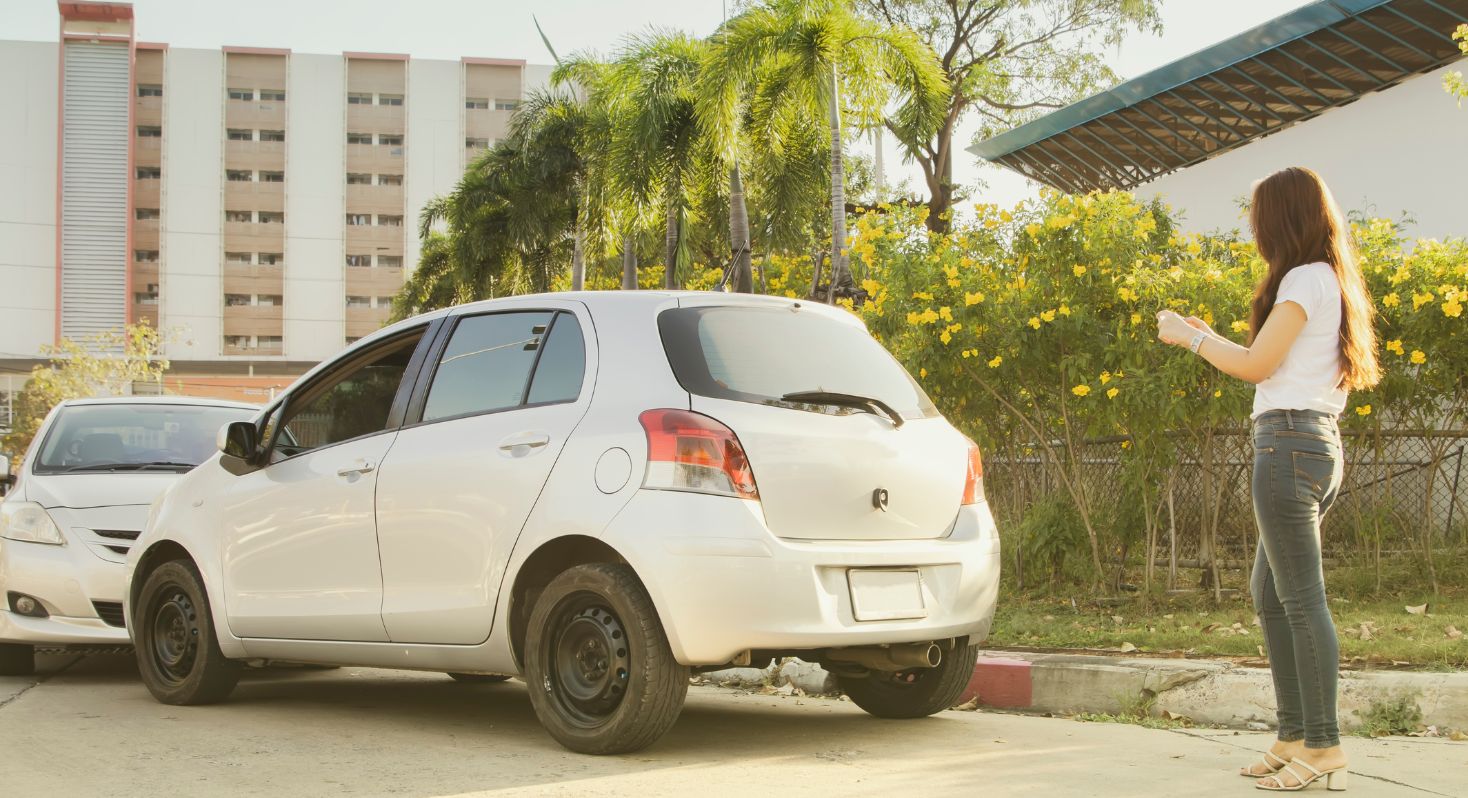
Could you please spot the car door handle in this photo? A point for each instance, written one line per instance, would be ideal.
(360, 467)
(524, 443)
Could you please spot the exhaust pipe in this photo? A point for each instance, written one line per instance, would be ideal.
(890, 658)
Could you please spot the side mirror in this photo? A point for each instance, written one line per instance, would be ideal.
(239, 442)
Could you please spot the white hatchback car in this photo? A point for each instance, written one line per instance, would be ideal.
(80, 499)
(600, 491)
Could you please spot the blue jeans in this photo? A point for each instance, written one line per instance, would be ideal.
(1297, 473)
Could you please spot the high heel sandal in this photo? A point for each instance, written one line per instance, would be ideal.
(1270, 768)
(1335, 778)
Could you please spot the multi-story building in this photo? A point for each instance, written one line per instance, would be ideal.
(258, 205)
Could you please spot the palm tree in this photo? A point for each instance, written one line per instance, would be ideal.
(802, 55)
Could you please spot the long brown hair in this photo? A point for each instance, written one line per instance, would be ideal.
(1296, 221)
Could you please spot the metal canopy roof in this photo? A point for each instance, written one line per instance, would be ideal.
(1292, 68)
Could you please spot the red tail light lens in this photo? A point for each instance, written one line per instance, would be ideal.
(973, 484)
(691, 452)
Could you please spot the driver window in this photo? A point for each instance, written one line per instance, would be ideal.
(350, 403)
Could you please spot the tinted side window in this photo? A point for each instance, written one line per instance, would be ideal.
(486, 364)
(562, 364)
(352, 403)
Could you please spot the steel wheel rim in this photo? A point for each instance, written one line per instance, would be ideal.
(175, 637)
(587, 660)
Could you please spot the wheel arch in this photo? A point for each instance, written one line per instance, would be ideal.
(549, 560)
(166, 550)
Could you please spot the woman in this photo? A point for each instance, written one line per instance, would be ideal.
(1311, 341)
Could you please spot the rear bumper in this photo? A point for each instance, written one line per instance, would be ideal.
(722, 583)
(66, 580)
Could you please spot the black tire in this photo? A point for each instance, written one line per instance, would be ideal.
(17, 659)
(173, 631)
(478, 678)
(602, 678)
(914, 693)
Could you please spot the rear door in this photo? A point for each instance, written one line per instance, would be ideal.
(497, 402)
(823, 471)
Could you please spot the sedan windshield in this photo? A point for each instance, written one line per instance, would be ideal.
(133, 437)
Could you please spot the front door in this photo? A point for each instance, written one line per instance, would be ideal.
(300, 536)
(506, 391)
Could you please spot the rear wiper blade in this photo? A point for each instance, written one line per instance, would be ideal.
(835, 399)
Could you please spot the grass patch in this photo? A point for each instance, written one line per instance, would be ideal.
(1394, 714)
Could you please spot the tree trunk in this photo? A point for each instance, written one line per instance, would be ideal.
(629, 262)
(815, 271)
(940, 205)
(670, 249)
(578, 257)
(840, 274)
(739, 234)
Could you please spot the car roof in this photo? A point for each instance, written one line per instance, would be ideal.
(160, 400)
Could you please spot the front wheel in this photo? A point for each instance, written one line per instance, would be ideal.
(914, 693)
(174, 637)
(602, 677)
(17, 659)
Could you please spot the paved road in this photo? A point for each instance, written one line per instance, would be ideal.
(86, 726)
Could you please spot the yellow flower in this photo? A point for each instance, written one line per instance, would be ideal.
(1395, 346)
(1064, 310)
(1078, 269)
(1240, 326)
(1418, 356)
(1061, 222)
(922, 373)
(1035, 322)
(1195, 248)
(994, 364)
(1048, 315)
(1391, 300)
(1136, 319)
(1452, 308)
(1418, 300)
(945, 337)
(1033, 229)
(1126, 444)
(927, 316)
(923, 295)
(1363, 410)
(1105, 377)
(1217, 394)
(945, 313)
(1126, 294)
(1081, 390)
(1112, 392)
(974, 298)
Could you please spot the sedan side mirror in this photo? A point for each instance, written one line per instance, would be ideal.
(239, 442)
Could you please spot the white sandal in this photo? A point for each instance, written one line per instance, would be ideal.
(1335, 778)
(1269, 766)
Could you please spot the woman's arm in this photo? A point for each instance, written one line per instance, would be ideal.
(1251, 364)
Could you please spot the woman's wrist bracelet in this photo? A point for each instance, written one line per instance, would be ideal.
(1197, 343)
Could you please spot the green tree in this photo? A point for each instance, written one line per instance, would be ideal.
(1008, 61)
(1453, 81)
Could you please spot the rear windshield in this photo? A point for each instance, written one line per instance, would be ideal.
(133, 437)
(753, 354)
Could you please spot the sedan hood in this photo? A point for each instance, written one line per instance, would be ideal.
(79, 491)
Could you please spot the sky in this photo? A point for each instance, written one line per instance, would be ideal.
(449, 29)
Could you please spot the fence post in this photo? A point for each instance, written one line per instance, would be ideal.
(1171, 535)
(1453, 497)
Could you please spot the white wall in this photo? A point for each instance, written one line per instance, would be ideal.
(435, 141)
(315, 207)
(191, 247)
(28, 198)
(1402, 149)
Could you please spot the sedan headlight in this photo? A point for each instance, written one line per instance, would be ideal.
(30, 522)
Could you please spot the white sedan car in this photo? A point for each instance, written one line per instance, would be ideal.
(79, 501)
(600, 492)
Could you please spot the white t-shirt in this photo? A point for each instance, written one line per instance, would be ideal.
(1310, 376)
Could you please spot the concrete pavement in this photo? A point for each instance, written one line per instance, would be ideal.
(86, 726)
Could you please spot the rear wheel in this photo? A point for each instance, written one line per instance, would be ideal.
(178, 653)
(17, 659)
(914, 693)
(602, 677)
(478, 678)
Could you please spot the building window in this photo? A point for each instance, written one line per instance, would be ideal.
(269, 341)
(239, 134)
(506, 105)
(239, 175)
(242, 94)
(360, 261)
(359, 138)
(144, 214)
(150, 172)
(395, 140)
(272, 177)
(359, 301)
(390, 261)
(150, 132)
(357, 219)
(236, 300)
(150, 90)
(145, 298)
(477, 144)
(359, 98)
(239, 216)
(389, 99)
(389, 180)
(237, 257)
(385, 220)
(145, 255)
(272, 135)
(269, 300)
(272, 217)
(272, 95)
(384, 302)
(359, 179)
(476, 103)
(270, 258)
(237, 341)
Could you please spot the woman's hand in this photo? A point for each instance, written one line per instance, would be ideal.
(1174, 329)
(1201, 326)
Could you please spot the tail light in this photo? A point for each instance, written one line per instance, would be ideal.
(973, 483)
(691, 452)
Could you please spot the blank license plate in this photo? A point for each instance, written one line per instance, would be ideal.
(886, 595)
